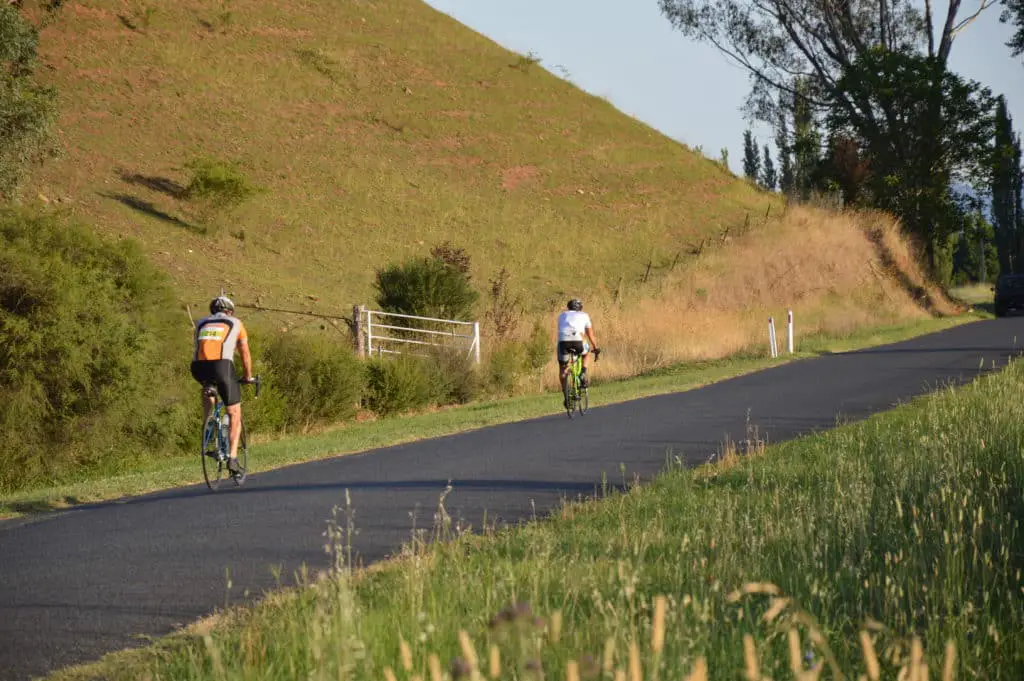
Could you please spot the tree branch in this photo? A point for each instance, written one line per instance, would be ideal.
(946, 43)
(929, 27)
(985, 4)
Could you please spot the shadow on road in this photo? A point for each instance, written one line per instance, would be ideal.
(1000, 352)
(570, 489)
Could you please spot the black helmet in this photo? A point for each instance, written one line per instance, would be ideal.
(221, 304)
(576, 304)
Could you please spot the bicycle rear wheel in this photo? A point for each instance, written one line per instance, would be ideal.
(214, 469)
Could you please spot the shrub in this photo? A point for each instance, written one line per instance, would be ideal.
(539, 347)
(398, 384)
(217, 185)
(27, 109)
(91, 350)
(453, 256)
(319, 379)
(506, 365)
(427, 287)
(504, 307)
(268, 414)
(456, 380)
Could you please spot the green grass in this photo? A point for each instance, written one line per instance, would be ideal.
(901, 528)
(377, 130)
(978, 295)
(356, 437)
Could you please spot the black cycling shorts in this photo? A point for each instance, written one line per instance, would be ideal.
(221, 373)
(564, 347)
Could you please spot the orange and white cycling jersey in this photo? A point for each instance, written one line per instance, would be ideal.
(217, 336)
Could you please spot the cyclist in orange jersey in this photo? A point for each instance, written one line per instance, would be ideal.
(216, 339)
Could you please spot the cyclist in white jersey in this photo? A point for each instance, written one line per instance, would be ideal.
(573, 326)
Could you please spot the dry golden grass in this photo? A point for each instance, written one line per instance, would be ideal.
(836, 271)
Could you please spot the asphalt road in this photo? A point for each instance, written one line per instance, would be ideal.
(77, 584)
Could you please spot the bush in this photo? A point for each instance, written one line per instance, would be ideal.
(505, 367)
(268, 414)
(27, 109)
(91, 350)
(539, 347)
(319, 379)
(217, 185)
(504, 307)
(398, 384)
(427, 287)
(456, 380)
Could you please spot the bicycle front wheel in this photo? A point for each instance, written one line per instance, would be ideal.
(583, 403)
(214, 469)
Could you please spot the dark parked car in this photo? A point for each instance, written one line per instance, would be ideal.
(1009, 293)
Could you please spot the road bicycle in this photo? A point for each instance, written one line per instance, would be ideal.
(217, 442)
(576, 397)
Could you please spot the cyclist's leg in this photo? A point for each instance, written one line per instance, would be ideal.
(584, 381)
(231, 392)
(562, 354)
(235, 411)
(204, 376)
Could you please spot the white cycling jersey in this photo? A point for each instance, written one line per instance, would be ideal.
(572, 325)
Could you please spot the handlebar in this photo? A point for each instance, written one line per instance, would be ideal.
(255, 380)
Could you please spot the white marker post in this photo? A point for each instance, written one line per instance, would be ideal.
(790, 344)
(771, 338)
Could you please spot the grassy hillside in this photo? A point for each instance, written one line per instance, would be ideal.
(377, 129)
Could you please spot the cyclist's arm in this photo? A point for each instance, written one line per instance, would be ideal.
(590, 335)
(243, 348)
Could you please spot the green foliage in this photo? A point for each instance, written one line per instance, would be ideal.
(319, 378)
(269, 413)
(751, 158)
(456, 380)
(218, 185)
(321, 62)
(769, 178)
(27, 109)
(506, 366)
(398, 384)
(88, 334)
(975, 247)
(1013, 12)
(785, 156)
(512, 360)
(539, 347)
(427, 287)
(942, 130)
(1005, 179)
(504, 307)
(526, 63)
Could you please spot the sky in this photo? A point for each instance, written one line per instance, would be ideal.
(628, 52)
